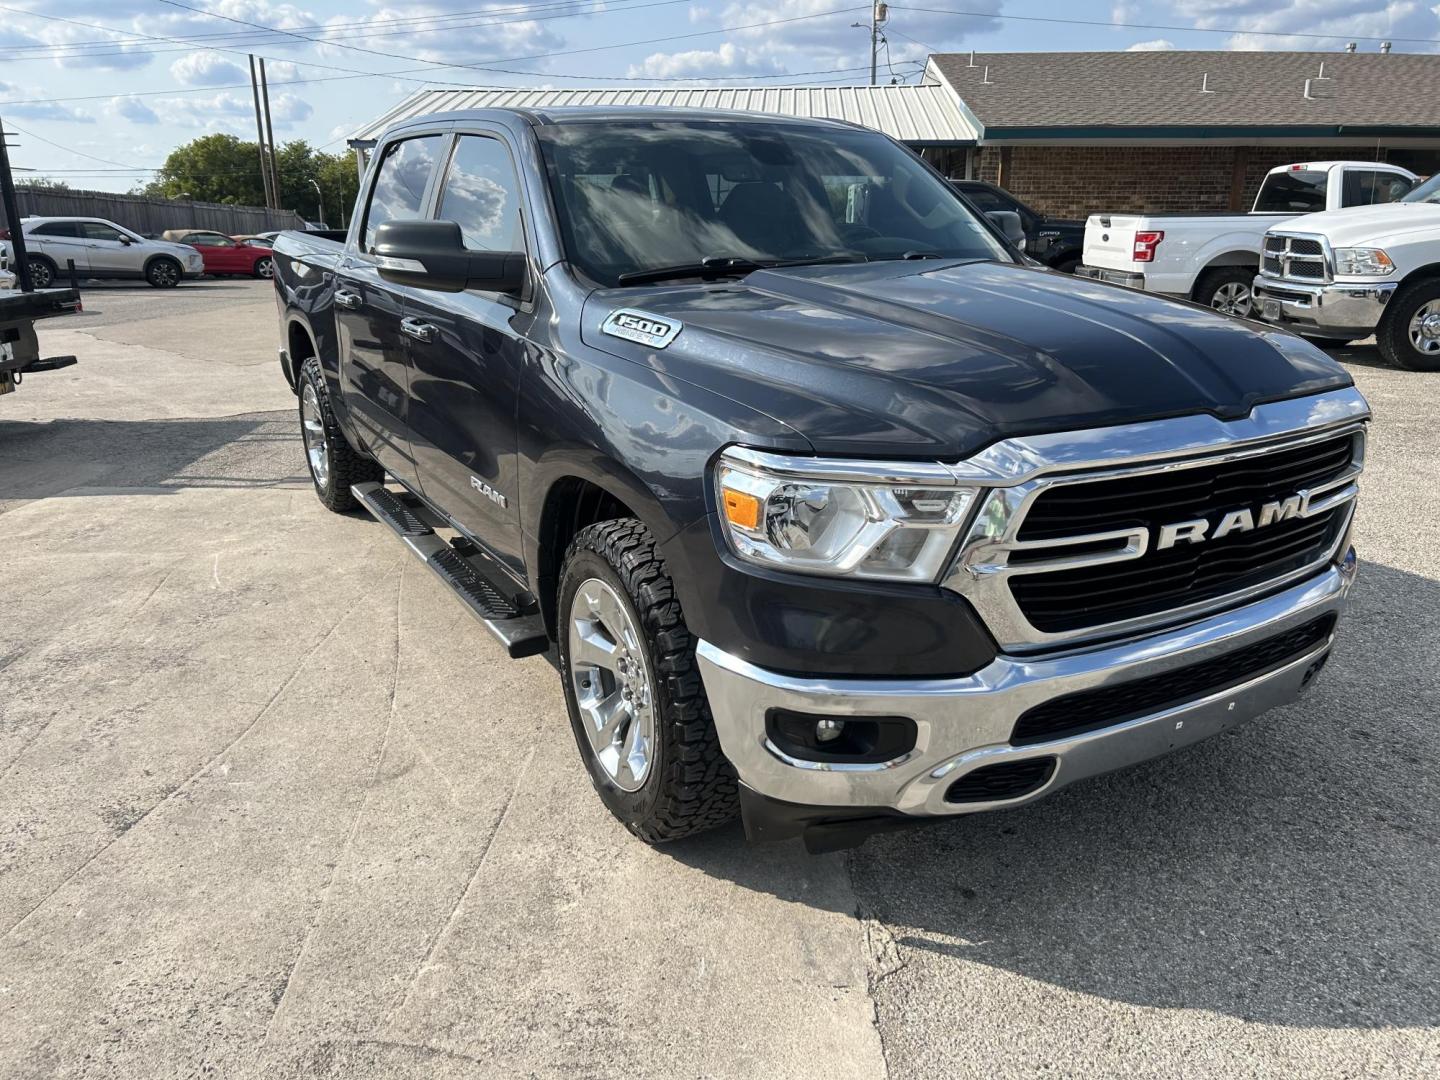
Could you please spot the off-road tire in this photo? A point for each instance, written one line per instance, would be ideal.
(691, 786)
(346, 464)
(1212, 281)
(156, 276)
(43, 271)
(1393, 333)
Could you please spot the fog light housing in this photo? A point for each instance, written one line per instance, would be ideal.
(835, 740)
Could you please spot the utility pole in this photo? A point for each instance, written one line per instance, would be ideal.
(260, 137)
(12, 216)
(879, 12)
(320, 201)
(270, 136)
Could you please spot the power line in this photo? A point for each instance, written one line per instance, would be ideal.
(230, 42)
(1164, 26)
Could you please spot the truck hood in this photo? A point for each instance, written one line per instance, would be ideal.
(943, 358)
(1369, 225)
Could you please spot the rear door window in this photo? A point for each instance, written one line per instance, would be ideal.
(400, 183)
(1364, 187)
(57, 228)
(482, 195)
(1298, 191)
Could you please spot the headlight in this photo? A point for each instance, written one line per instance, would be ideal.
(1362, 262)
(841, 518)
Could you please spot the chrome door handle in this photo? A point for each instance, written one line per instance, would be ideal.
(420, 331)
(347, 299)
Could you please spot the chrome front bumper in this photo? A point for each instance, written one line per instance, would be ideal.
(966, 723)
(1337, 310)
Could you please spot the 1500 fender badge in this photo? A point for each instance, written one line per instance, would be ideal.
(642, 327)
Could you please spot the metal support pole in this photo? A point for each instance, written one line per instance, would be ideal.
(12, 216)
(260, 137)
(270, 136)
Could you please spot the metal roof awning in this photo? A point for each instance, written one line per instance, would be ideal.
(926, 115)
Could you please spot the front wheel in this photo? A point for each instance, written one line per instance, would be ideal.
(1227, 290)
(334, 463)
(1409, 334)
(633, 690)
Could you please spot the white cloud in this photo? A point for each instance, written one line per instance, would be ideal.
(233, 112)
(728, 59)
(1155, 45)
(474, 39)
(132, 109)
(207, 69)
(1277, 24)
(41, 110)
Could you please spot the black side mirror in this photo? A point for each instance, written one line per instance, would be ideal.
(1010, 224)
(432, 255)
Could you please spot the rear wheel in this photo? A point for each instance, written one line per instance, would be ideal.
(1409, 335)
(163, 273)
(264, 268)
(1227, 290)
(334, 463)
(1068, 264)
(633, 689)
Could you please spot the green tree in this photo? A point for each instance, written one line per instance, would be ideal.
(226, 169)
(42, 183)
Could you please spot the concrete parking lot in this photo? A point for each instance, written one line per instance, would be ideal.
(272, 805)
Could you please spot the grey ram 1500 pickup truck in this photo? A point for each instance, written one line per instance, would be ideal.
(831, 507)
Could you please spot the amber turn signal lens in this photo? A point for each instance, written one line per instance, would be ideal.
(742, 510)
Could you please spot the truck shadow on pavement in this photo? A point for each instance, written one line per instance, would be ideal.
(1285, 873)
(45, 458)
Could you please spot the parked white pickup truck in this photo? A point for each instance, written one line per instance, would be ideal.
(1212, 258)
(1347, 274)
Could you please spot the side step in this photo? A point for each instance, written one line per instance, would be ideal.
(522, 632)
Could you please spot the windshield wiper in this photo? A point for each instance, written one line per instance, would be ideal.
(726, 266)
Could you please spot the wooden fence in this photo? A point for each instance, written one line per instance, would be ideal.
(149, 216)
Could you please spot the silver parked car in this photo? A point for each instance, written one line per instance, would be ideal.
(102, 249)
(7, 279)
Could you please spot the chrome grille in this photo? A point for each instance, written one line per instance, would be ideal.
(1300, 258)
(1080, 546)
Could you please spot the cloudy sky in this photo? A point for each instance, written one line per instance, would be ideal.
(99, 91)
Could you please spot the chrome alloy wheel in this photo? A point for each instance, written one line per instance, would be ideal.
(312, 429)
(1425, 328)
(265, 268)
(612, 685)
(1233, 298)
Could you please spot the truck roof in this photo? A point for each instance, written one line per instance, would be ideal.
(1326, 166)
(568, 114)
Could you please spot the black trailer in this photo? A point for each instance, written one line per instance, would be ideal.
(21, 308)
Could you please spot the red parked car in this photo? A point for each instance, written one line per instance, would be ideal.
(224, 255)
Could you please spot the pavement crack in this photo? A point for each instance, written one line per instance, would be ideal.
(323, 905)
(455, 908)
(263, 712)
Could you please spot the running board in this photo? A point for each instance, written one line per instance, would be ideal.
(521, 632)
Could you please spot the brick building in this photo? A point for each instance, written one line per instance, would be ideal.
(1075, 133)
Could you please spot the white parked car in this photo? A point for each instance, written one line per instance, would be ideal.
(1347, 274)
(7, 279)
(102, 249)
(1212, 258)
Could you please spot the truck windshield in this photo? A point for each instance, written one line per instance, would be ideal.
(1429, 191)
(635, 197)
(1299, 191)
